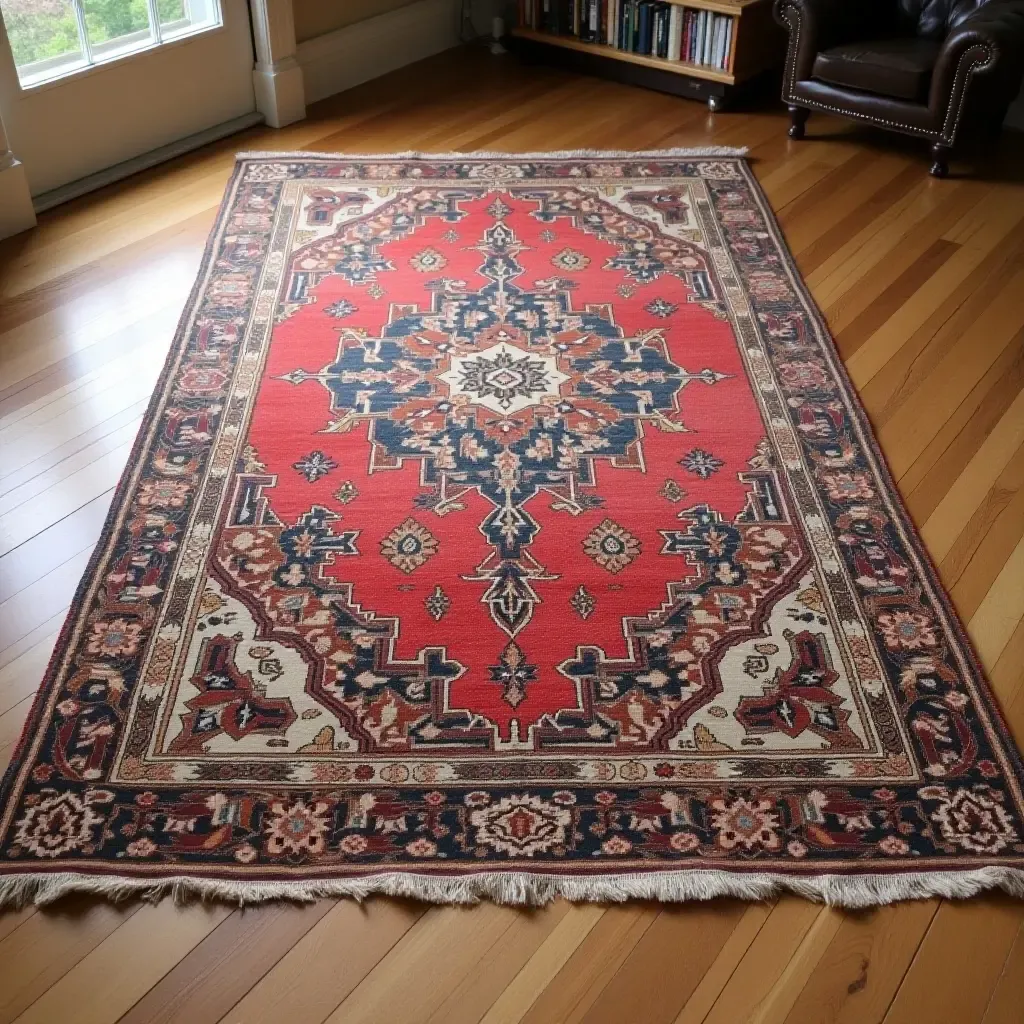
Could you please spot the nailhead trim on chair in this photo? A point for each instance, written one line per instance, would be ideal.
(944, 135)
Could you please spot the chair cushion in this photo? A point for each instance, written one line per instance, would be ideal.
(900, 67)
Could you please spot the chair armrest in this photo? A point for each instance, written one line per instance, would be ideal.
(988, 42)
(815, 25)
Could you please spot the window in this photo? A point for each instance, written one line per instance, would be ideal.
(53, 38)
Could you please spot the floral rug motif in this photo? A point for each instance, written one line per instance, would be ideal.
(506, 526)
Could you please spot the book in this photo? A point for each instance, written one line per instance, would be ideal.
(585, 20)
(669, 31)
(663, 40)
(675, 31)
(644, 28)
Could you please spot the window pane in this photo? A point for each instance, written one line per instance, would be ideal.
(180, 16)
(172, 12)
(116, 25)
(47, 42)
(44, 37)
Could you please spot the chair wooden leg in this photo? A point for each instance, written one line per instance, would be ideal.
(940, 160)
(797, 119)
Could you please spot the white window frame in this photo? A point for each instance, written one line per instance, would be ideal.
(42, 73)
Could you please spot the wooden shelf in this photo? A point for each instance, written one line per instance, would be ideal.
(679, 67)
(732, 7)
(757, 45)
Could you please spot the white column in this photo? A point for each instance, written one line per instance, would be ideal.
(277, 77)
(16, 212)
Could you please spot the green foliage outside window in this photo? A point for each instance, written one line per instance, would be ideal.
(38, 29)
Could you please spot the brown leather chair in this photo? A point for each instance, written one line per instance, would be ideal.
(930, 68)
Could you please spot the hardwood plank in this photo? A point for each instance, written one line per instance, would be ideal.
(941, 309)
(122, 968)
(11, 724)
(1007, 681)
(582, 978)
(777, 1004)
(21, 677)
(932, 474)
(29, 609)
(858, 973)
(988, 539)
(64, 497)
(894, 297)
(1007, 1003)
(542, 967)
(435, 956)
(51, 943)
(921, 412)
(208, 982)
(706, 994)
(765, 961)
(326, 964)
(29, 640)
(997, 616)
(532, 937)
(667, 964)
(940, 986)
(53, 466)
(955, 511)
(52, 547)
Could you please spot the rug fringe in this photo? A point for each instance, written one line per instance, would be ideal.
(522, 888)
(559, 154)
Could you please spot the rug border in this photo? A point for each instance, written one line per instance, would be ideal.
(518, 887)
(951, 618)
(120, 492)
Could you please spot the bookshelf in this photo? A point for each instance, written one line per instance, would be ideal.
(747, 44)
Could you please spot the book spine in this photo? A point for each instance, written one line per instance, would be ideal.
(727, 64)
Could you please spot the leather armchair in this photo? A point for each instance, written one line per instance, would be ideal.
(930, 68)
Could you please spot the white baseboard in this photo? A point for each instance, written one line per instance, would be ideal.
(352, 55)
(74, 189)
(16, 212)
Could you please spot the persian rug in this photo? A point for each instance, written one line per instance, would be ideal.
(506, 526)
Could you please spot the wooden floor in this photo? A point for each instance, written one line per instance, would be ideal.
(922, 282)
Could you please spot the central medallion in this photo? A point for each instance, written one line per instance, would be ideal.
(504, 379)
(508, 389)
